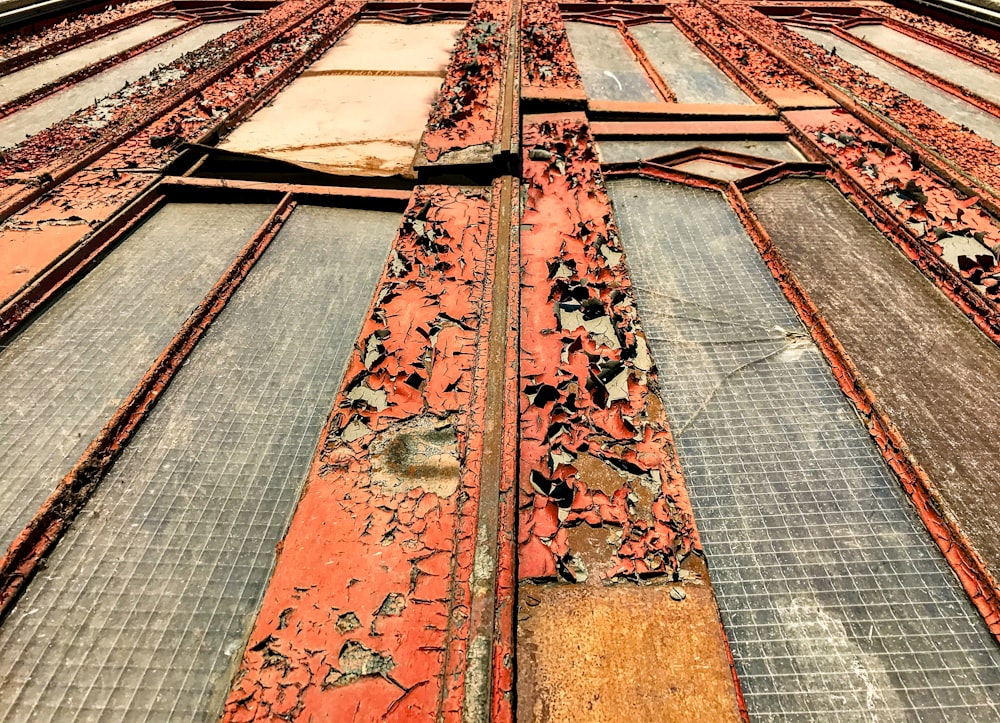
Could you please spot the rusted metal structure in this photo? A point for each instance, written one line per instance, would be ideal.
(504, 360)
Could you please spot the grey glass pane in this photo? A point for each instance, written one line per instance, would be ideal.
(64, 376)
(41, 73)
(691, 76)
(948, 105)
(940, 62)
(39, 116)
(609, 69)
(623, 151)
(836, 602)
(145, 605)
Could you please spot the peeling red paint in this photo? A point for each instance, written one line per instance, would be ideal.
(158, 97)
(18, 48)
(466, 114)
(927, 205)
(367, 610)
(955, 547)
(970, 152)
(547, 64)
(774, 78)
(595, 446)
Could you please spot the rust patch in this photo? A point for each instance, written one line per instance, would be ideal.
(593, 450)
(329, 637)
(466, 114)
(970, 152)
(639, 654)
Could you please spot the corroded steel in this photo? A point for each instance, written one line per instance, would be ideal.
(368, 607)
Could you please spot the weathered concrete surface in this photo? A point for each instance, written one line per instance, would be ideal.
(591, 654)
(934, 372)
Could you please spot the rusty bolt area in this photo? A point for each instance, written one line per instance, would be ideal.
(602, 495)
(367, 610)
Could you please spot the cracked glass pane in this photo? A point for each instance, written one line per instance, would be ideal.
(143, 608)
(837, 604)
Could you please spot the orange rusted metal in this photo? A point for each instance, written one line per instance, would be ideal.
(368, 607)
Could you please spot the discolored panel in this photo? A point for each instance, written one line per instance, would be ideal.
(837, 604)
(143, 609)
(42, 73)
(64, 376)
(357, 109)
(609, 68)
(932, 369)
(940, 62)
(948, 105)
(691, 76)
(39, 116)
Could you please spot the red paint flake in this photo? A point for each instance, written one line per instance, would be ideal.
(971, 152)
(547, 62)
(155, 96)
(467, 111)
(367, 609)
(928, 205)
(769, 74)
(587, 378)
(975, 44)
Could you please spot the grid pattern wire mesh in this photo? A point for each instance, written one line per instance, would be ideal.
(145, 604)
(63, 377)
(836, 602)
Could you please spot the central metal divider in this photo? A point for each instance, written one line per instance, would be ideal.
(837, 604)
(144, 607)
